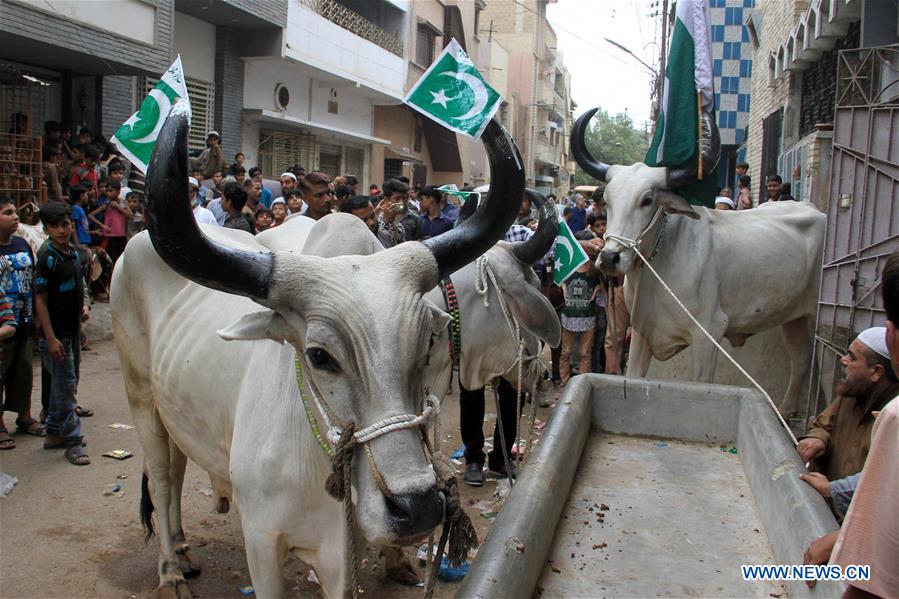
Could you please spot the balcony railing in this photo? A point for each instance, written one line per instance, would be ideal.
(355, 23)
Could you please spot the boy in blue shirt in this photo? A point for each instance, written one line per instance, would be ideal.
(78, 196)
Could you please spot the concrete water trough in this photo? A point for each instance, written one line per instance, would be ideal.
(629, 494)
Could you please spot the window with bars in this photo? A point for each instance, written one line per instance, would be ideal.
(202, 107)
(424, 45)
(279, 151)
(393, 168)
(329, 159)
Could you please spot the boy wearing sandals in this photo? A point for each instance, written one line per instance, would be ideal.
(59, 305)
(16, 276)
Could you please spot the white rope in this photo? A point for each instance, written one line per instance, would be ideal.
(394, 423)
(633, 245)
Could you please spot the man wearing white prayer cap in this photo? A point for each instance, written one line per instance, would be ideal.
(837, 442)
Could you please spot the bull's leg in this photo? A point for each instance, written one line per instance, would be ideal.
(157, 457)
(266, 552)
(190, 566)
(705, 354)
(639, 357)
(330, 565)
(798, 342)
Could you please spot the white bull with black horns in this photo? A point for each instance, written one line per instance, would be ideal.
(490, 348)
(355, 328)
(738, 273)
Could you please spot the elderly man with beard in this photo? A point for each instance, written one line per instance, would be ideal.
(837, 442)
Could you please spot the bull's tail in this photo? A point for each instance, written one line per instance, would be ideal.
(146, 508)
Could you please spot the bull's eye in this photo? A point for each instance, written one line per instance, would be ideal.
(321, 359)
(645, 201)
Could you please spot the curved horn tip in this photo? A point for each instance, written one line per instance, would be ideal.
(582, 156)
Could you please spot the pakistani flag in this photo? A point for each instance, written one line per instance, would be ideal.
(453, 93)
(452, 190)
(137, 136)
(569, 255)
(688, 86)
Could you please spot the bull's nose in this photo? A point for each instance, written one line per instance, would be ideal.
(414, 513)
(609, 259)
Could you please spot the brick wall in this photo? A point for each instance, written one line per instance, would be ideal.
(777, 18)
(22, 20)
(118, 102)
(229, 69)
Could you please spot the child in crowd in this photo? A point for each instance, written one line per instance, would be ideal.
(86, 173)
(264, 219)
(78, 197)
(16, 276)
(294, 199)
(136, 223)
(115, 215)
(279, 211)
(578, 314)
(596, 222)
(60, 308)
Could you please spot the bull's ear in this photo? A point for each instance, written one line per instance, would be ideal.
(675, 204)
(439, 318)
(266, 324)
(535, 314)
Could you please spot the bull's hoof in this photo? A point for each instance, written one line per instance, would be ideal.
(173, 589)
(187, 563)
(403, 573)
(222, 506)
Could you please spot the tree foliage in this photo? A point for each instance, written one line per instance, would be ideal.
(614, 140)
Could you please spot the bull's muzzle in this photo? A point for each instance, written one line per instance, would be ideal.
(609, 261)
(414, 514)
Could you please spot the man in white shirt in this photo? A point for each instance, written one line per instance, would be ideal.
(202, 215)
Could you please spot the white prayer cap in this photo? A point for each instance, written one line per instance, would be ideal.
(724, 200)
(193, 181)
(288, 174)
(875, 339)
(279, 201)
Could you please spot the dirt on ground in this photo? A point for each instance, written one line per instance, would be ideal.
(64, 532)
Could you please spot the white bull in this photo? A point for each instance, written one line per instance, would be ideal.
(357, 327)
(738, 273)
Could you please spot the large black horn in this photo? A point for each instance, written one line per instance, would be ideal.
(532, 250)
(582, 156)
(174, 231)
(709, 145)
(459, 246)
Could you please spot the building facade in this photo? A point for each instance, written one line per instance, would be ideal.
(796, 54)
(539, 90)
(732, 69)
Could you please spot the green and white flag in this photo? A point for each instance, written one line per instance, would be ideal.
(453, 93)
(688, 81)
(453, 190)
(136, 137)
(569, 255)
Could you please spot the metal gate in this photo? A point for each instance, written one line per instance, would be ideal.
(863, 209)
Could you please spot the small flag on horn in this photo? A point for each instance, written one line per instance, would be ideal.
(453, 93)
(136, 137)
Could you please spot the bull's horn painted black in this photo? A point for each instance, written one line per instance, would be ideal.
(582, 156)
(674, 177)
(532, 250)
(459, 246)
(176, 235)
(181, 244)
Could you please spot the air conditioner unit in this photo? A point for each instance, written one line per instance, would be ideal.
(281, 97)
